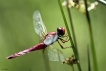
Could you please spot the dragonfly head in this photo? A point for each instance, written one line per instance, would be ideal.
(60, 31)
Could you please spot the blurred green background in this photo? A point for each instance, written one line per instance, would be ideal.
(17, 33)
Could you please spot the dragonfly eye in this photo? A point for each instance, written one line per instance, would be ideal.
(60, 31)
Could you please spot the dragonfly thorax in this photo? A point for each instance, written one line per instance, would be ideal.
(50, 38)
(60, 31)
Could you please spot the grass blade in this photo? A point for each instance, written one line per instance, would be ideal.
(91, 39)
(66, 24)
(88, 54)
(71, 40)
(46, 61)
(71, 24)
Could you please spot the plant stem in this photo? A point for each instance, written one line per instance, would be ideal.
(46, 61)
(88, 54)
(73, 33)
(71, 41)
(74, 37)
(91, 39)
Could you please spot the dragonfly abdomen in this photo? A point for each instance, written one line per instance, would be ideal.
(36, 47)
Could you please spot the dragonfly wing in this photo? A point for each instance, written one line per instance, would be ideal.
(55, 54)
(61, 56)
(40, 29)
(39, 26)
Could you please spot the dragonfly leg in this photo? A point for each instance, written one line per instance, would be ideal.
(64, 40)
(63, 46)
(66, 35)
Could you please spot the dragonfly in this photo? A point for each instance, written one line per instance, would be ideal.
(47, 39)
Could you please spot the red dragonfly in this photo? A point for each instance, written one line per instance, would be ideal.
(47, 40)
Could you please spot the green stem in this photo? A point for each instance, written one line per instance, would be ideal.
(75, 46)
(46, 61)
(88, 54)
(91, 39)
(71, 40)
(74, 37)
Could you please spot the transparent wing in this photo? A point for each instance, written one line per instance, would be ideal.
(61, 56)
(55, 54)
(40, 29)
(39, 26)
